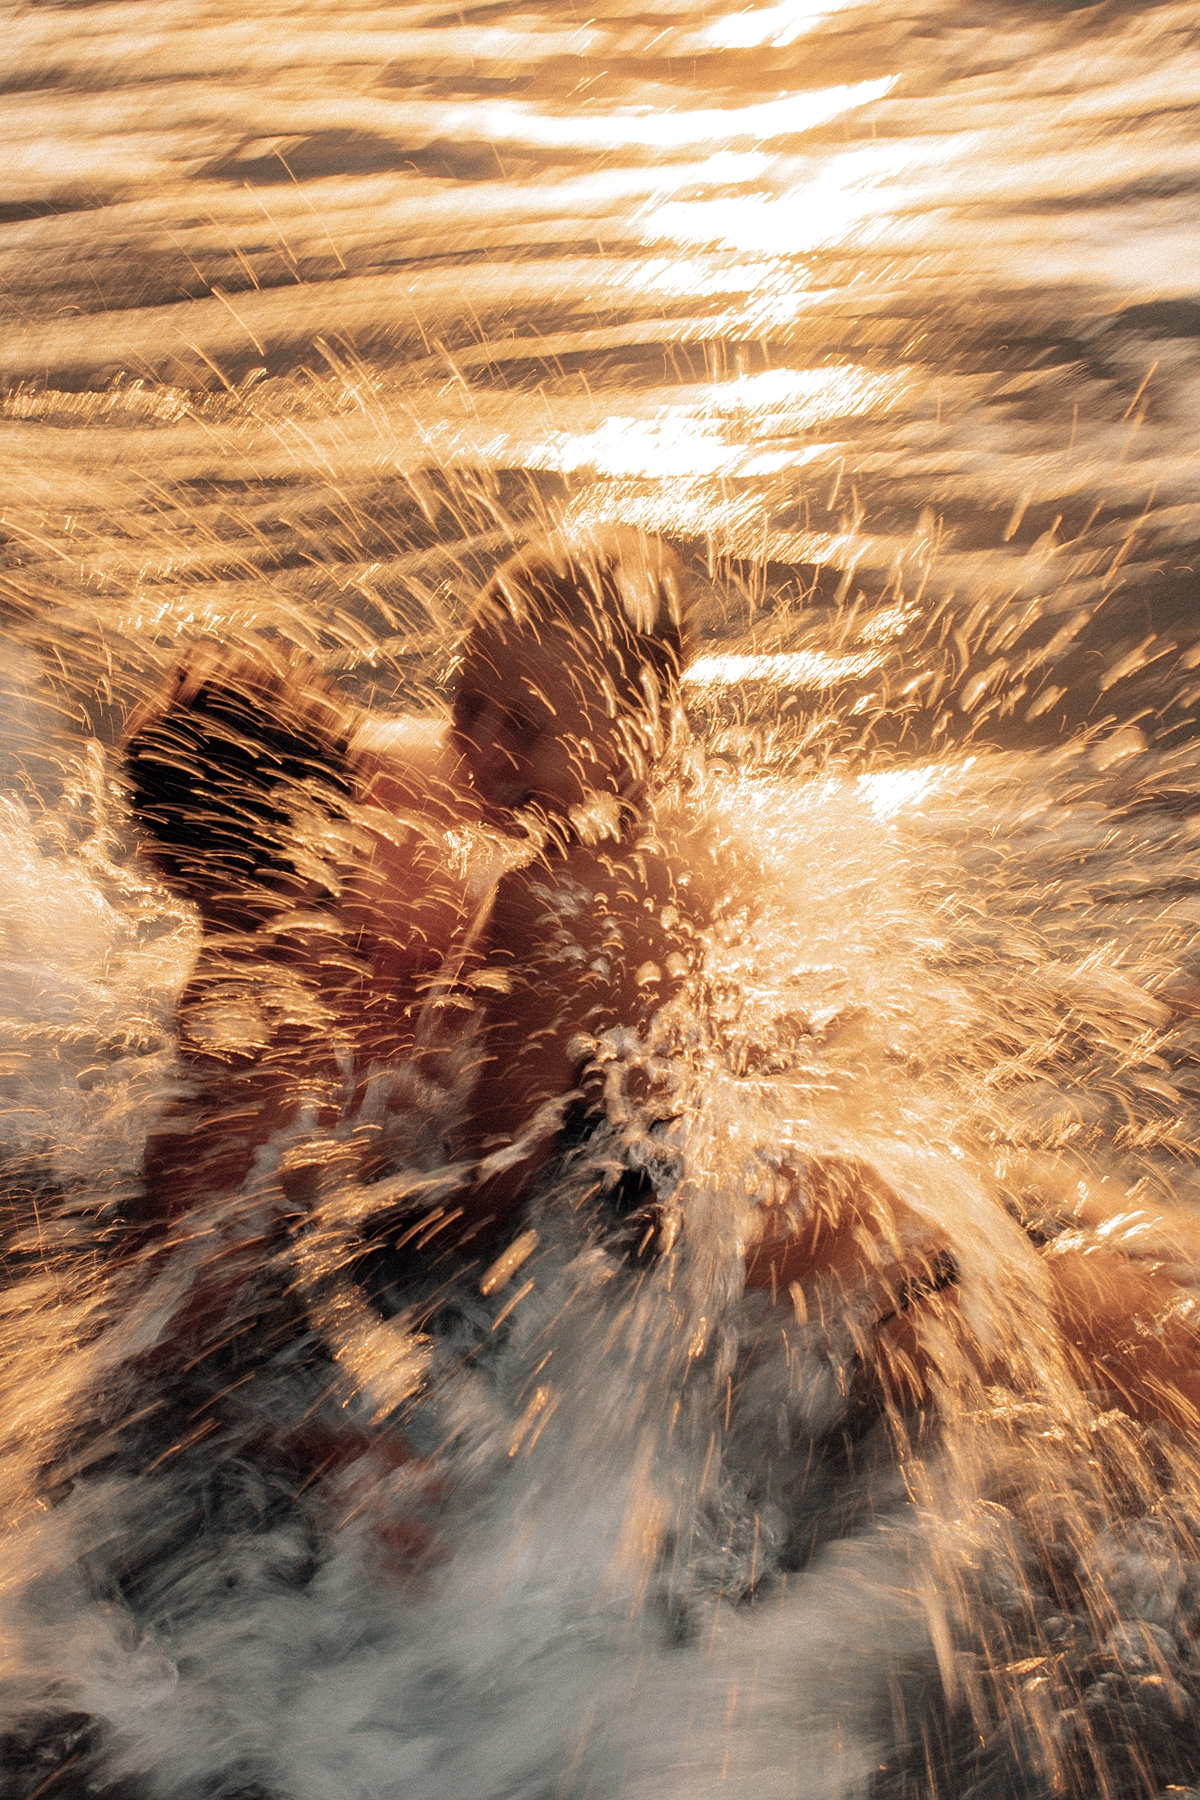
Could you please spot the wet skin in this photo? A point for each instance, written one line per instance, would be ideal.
(290, 985)
(537, 725)
(528, 733)
(565, 940)
(291, 979)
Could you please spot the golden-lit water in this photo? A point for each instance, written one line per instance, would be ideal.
(887, 317)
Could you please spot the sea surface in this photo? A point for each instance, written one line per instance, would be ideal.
(887, 316)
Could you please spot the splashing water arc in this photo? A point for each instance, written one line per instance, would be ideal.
(886, 319)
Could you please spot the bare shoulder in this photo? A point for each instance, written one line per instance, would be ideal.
(406, 764)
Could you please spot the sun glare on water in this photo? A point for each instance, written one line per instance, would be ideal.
(746, 426)
(893, 791)
(776, 26)
(792, 113)
(885, 318)
(801, 669)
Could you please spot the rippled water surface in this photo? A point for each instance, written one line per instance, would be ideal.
(887, 318)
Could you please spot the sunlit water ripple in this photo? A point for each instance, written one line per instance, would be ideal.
(887, 317)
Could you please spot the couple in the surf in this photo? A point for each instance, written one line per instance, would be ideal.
(476, 903)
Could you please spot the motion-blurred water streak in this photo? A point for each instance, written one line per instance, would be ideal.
(887, 317)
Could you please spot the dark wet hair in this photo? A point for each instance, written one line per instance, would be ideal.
(217, 759)
(624, 592)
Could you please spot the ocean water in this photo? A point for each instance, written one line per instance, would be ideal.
(886, 317)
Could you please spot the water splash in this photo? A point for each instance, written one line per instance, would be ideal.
(889, 321)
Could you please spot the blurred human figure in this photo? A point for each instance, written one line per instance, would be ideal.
(566, 701)
(345, 929)
(330, 859)
(313, 844)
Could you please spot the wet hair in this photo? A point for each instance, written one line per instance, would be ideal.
(624, 593)
(215, 763)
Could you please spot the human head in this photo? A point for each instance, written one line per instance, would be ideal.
(570, 671)
(216, 763)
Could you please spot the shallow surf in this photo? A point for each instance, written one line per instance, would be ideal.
(887, 319)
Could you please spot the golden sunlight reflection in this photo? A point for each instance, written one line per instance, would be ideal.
(728, 428)
(836, 198)
(807, 396)
(792, 113)
(686, 277)
(667, 446)
(776, 26)
(559, 1234)
(729, 519)
(773, 292)
(892, 791)
(800, 668)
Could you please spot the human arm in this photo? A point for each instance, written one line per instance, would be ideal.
(1124, 1274)
(1123, 1281)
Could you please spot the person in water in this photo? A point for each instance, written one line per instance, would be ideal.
(339, 914)
(343, 868)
